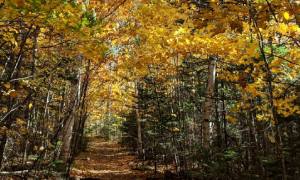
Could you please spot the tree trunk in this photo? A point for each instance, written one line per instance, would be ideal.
(208, 104)
(138, 124)
(70, 123)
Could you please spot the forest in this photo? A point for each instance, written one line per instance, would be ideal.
(150, 89)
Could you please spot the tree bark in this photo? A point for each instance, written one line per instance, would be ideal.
(208, 104)
(70, 123)
(138, 123)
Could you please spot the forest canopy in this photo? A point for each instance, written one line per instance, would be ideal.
(209, 87)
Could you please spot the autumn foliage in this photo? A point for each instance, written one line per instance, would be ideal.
(207, 89)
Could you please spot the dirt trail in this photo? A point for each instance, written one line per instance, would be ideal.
(105, 160)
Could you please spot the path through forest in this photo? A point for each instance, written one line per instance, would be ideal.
(105, 160)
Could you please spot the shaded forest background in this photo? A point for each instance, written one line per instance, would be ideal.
(204, 89)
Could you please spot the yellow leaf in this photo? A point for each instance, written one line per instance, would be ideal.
(175, 129)
(283, 28)
(20, 121)
(275, 69)
(252, 89)
(286, 15)
(231, 119)
(194, 7)
(30, 105)
(180, 31)
(276, 62)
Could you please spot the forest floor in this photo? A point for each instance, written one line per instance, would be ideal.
(106, 160)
